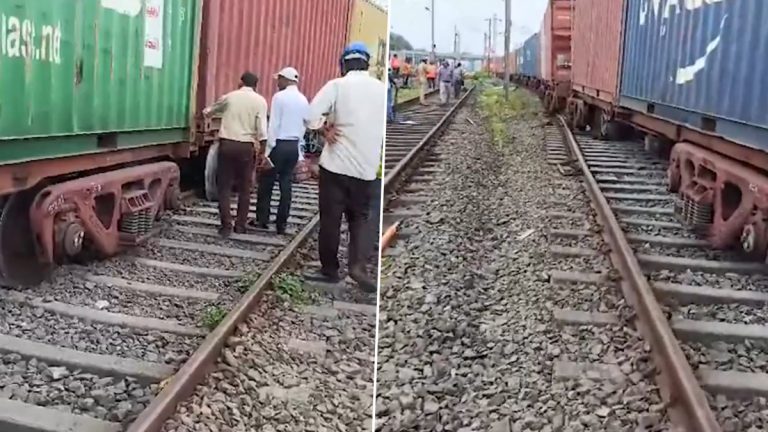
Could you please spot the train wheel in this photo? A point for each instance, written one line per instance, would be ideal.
(19, 263)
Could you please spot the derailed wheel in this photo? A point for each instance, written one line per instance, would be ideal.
(19, 263)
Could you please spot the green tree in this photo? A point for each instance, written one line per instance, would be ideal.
(398, 42)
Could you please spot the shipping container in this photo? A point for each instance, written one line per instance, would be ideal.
(90, 76)
(368, 24)
(266, 35)
(597, 36)
(512, 62)
(555, 36)
(528, 57)
(702, 64)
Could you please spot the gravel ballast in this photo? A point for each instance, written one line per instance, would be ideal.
(467, 340)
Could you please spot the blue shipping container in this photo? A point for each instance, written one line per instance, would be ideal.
(703, 64)
(528, 57)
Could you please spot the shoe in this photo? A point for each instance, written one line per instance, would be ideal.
(358, 275)
(225, 232)
(257, 224)
(319, 276)
(240, 230)
(281, 230)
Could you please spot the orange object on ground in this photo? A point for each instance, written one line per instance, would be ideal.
(389, 236)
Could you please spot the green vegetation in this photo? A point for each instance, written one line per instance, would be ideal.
(247, 281)
(497, 111)
(290, 287)
(398, 43)
(212, 317)
(406, 93)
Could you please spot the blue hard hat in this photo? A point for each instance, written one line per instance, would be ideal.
(355, 50)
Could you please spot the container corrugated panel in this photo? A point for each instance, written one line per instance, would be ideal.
(700, 63)
(266, 35)
(528, 56)
(544, 43)
(74, 68)
(369, 25)
(597, 35)
(512, 62)
(556, 40)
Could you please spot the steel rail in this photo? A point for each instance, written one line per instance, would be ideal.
(194, 370)
(677, 377)
(396, 173)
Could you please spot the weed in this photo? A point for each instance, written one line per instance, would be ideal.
(246, 282)
(212, 316)
(290, 287)
(498, 111)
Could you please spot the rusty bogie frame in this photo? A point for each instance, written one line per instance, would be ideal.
(725, 199)
(106, 211)
(721, 185)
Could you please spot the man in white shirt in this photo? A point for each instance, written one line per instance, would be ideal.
(243, 125)
(354, 107)
(286, 129)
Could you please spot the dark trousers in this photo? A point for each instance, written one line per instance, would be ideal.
(284, 157)
(234, 166)
(457, 88)
(372, 230)
(351, 197)
(432, 83)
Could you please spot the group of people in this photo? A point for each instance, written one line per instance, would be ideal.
(348, 111)
(445, 77)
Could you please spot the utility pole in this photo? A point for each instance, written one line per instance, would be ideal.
(491, 38)
(488, 43)
(507, 28)
(432, 9)
(456, 43)
(494, 33)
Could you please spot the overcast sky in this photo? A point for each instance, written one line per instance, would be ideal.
(410, 19)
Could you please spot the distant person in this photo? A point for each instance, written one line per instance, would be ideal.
(391, 95)
(407, 71)
(445, 77)
(395, 65)
(286, 130)
(422, 73)
(458, 79)
(243, 125)
(432, 75)
(351, 108)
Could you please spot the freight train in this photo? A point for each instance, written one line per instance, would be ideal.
(687, 77)
(100, 108)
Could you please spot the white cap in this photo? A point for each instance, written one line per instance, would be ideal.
(289, 73)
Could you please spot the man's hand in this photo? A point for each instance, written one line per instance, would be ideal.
(331, 134)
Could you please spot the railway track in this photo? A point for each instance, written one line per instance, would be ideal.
(408, 157)
(641, 326)
(702, 312)
(102, 344)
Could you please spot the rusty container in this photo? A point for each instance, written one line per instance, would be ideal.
(263, 37)
(368, 24)
(555, 34)
(597, 36)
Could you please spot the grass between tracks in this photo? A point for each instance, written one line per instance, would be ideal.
(497, 111)
(290, 288)
(406, 93)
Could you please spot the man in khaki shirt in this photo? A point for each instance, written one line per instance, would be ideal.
(421, 73)
(243, 125)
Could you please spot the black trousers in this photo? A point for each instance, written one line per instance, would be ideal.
(351, 197)
(284, 157)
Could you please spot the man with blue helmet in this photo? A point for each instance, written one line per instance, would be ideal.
(352, 109)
